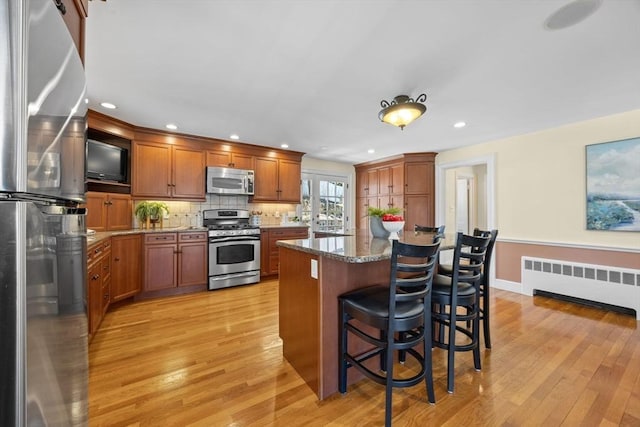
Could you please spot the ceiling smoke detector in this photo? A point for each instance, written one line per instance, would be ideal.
(571, 14)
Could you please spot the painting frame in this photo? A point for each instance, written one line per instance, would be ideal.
(613, 185)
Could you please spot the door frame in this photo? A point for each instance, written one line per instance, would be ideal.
(348, 196)
(490, 161)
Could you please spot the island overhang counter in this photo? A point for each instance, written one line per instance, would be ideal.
(313, 273)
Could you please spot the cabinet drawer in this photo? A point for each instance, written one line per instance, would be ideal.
(199, 236)
(152, 238)
(97, 250)
(290, 234)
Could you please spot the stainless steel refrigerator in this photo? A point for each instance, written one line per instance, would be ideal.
(43, 322)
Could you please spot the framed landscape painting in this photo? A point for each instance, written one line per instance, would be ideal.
(613, 185)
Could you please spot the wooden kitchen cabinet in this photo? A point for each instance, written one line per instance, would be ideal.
(166, 171)
(228, 159)
(269, 251)
(420, 178)
(405, 182)
(108, 211)
(277, 180)
(192, 256)
(98, 282)
(172, 260)
(126, 270)
(160, 261)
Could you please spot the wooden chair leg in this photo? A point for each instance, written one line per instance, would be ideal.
(342, 368)
(389, 386)
(476, 338)
(486, 324)
(451, 350)
(428, 357)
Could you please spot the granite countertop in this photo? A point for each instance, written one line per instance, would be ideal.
(360, 247)
(101, 235)
(287, 225)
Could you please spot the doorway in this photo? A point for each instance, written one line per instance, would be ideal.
(465, 203)
(324, 202)
(479, 174)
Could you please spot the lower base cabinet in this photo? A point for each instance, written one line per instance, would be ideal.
(269, 252)
(98, 283)
(126, 271)
(172, 260)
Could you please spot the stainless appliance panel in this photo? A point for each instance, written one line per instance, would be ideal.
(44, 333)
(43, 322)
(44, 111)
(233, 260)
(229, 181)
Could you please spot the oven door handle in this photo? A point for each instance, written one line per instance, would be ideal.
(233, 239)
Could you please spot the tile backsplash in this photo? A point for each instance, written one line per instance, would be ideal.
(190, 213)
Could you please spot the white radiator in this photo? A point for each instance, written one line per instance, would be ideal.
(603, 284)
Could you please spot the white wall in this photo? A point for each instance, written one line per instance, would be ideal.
(540, 181)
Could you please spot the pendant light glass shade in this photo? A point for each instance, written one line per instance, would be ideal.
(402, 110)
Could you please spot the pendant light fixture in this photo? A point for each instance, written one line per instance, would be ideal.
(402, 110)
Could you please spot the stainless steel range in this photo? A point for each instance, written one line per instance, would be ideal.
(234, 248)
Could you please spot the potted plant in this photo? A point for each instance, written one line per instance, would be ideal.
(375, 220)
(151, 212)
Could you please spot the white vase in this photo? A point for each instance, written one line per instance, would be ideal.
(377, 230)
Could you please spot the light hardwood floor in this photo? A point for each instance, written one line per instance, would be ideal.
(215, 359)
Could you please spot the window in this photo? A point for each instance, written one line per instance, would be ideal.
(324, 199)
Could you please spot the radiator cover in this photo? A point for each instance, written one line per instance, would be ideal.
(605, 284)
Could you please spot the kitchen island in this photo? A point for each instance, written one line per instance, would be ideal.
(313, 273)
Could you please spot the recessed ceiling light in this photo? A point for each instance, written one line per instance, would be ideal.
(234, 136)
(371, 151)
(86, 100)
(171, 126)
(324, 147)
(459, 125)
(284, 145)
(108, 105)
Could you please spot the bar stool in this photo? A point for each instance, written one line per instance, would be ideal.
(438, 231)
(485, 286)
(401, 315)
(460, 289)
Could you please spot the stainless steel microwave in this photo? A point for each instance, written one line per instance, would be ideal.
(230, 181)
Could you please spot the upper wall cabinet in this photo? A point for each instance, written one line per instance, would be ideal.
(169, 166)
(166, 171)
(228, 159)
(405, 182)
(277, 180)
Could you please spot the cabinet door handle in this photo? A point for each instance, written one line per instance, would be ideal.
(116, 259)
(95, 277)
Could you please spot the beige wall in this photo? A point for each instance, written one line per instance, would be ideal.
(540, 181)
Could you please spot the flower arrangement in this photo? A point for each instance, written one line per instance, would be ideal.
(380, 212)
(378, 217)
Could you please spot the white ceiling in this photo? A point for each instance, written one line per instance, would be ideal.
(312, 73)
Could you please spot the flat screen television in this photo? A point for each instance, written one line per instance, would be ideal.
(106, 162)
